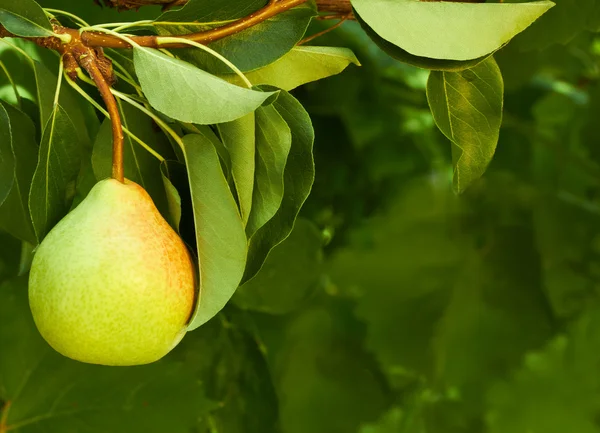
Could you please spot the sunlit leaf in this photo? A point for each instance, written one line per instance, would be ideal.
(467, 107)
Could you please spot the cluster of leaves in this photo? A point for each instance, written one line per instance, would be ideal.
(426, 312)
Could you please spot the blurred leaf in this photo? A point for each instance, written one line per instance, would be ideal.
(299, 176)
(139, 164)
(249, 49)
(301, 65)
(239, 138)
(222, 245)
(454, 23)
(24, 18)
(437, 307)
(325, 381)
(9, 257)
(14, 213)
(53, 184)
(273, 144)
(289, 275)
(49, 392)
(467, 107)
(7, 157)
(556, 390)
(174, 87)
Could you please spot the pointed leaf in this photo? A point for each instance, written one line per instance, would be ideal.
(220, 236)
(463, 31)
(24, 18)
(240, 141)
(273, 143)
(467, 107)
(186, 93)
(173, 196)
(14, 213)
(299, 176)
(53, 184)
(300, 66)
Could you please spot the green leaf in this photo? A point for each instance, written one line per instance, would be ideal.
(7, 157)
(273, 144)
(290, 273)
(48, 392)
(239, 138)
(463, 31)
(24, 18)
(249, 49)
(14, 213)
(299, 176)
(300, 66)
(467, 107)
(140, 165)
(222, 245)
(206, 11)
(53, 184)
(561, 382)
(173, 196)
(418, 61)
(186, 93)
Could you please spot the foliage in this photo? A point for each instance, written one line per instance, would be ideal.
(408, 246)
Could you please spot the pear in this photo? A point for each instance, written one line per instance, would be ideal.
(112, 283)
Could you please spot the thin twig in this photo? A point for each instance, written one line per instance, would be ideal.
(323, 32)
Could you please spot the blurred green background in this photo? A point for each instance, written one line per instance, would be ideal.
(396, 306)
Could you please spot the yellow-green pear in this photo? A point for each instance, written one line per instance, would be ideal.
(112, 283)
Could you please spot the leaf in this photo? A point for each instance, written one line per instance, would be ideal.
(140, 165)
(408, 24)
(561, 382)
(240, 141)
(324, 377)
(189, 94)
(24, 18)
(273, 144)
(53, 184)
(299, 176)
(220, 236)
(437, 307)
(418, 61)
(48, 392)
(173, 196)
(7, 157)
(249, 49)
(467, 107)
(206, 11)
(14, 213)
(301, 65)
(290, 273)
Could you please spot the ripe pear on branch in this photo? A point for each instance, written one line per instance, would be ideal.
(112, 283)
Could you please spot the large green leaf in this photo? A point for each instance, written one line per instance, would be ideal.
(467, 107)
(186, 93)
(299, 176)
(139, 165)
(7, 157)
(249, 49)
(448, 30)
(14, 213)
(206, 11)
(24, 18)
(301, 65)
(273, 144)
(290, 273)
(239, 138)
(220, 236)
(53, 184)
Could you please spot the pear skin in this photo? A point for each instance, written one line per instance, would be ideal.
(112, 283)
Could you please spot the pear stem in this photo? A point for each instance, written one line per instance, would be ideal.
(92, 68)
